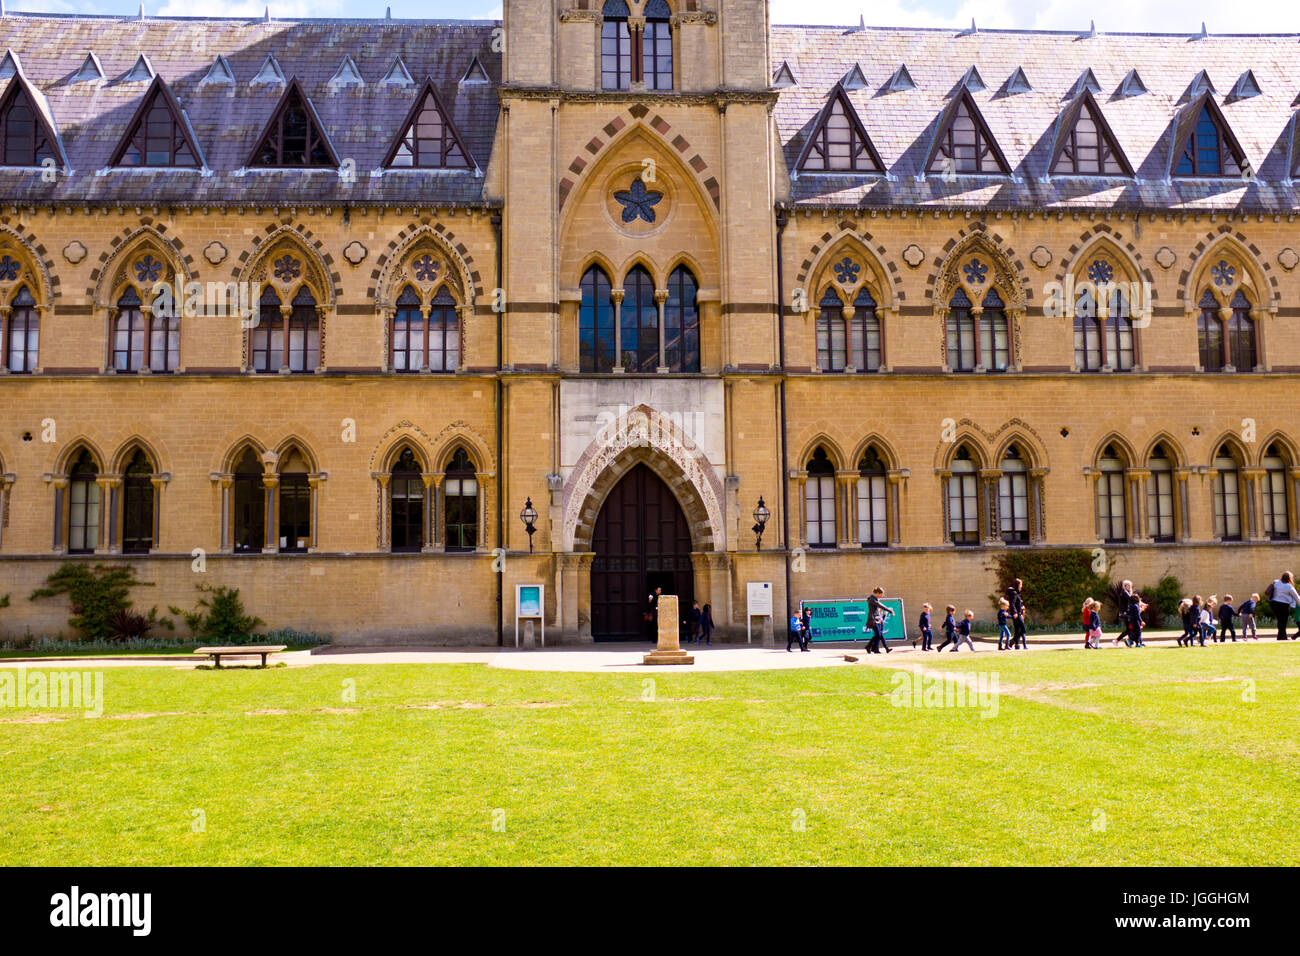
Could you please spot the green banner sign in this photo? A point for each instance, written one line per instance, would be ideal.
(847, 620)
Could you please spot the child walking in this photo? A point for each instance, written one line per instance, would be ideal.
(1004, 624)
(1092, 630)
(1226, 613)
(1189, 623)
(1207, 619)
(927, 635)
(949, 630)
(963, 632)
(1247, 613)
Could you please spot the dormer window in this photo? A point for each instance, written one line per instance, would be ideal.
(428, 139)
(294, 136)
(963, 143)
(158, 134)
(1204, 145)
(26, 138)
(839, 141)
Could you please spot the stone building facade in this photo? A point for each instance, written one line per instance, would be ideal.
(639, 265)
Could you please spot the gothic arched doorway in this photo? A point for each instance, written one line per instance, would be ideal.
(641, 541)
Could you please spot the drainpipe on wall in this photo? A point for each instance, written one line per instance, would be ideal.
(782, 220)
(501, 471)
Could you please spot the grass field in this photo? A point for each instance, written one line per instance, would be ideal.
(1166, 756)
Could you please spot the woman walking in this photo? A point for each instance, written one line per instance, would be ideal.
(1283, 598)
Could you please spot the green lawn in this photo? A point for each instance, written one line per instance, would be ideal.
(1118, 757)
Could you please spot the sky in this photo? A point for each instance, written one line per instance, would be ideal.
(1244, 16)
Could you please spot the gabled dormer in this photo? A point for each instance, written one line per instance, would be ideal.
(294, 137)
(784, 77)
(901, 81)
(1085, 144)
(855, 79)
(269, 74)
(838, 141)
(141, 71)
(963, 142)
(428, 138)
(346, 75)
(1131, 85)
(1017, 82)
(158, 134)
(398, 74)
(1087, 82)
(90, 71)
(1203, 142)
(474, 74)
(28, 136)
(219, 73)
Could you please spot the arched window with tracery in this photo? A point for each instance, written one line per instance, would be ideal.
(832, 344)
(961, 500)
(615, 46)
(596, 323)
(1013, 497)
(138, 505)
(84, 507)
(657, 46)
(1161, 496)
(1103, 338)
(961, 333)
(1112, 508)
(406, 499)
(248, 512)
(873, 500)
(681, 332)
(1241, 334)
(20, 331)
(460, 503)
(1228, 522)
(1274, 498)
(295, 504)
(636, 52)
(639, 323)
(819, 500)
(426, 336)
(289, 332)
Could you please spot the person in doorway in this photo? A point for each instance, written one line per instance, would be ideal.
(651, 616)
(693, 623)
(1016, 604)
(706, 624)
(1283, 599)
(876, 613)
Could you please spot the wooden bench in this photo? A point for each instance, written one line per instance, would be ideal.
(240, 650)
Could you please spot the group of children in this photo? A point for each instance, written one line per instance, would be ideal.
(1199, 617)
(954, 632)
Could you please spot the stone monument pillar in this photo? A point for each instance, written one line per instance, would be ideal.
(669, 650)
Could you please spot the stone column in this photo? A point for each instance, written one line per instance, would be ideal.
(383, 534)
(314, 483)
(1254, 530)
(1182, 508)
(225, 483)
(1137, 478)
(844, 487)
(616, 296)
(285, 312)
(110, 500)
(60, 485)
(661, 296)
(1037, 505)
(431, 481)
(991, 531)
(271, 485)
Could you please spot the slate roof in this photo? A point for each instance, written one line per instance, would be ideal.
(902, 124)
(360, 121)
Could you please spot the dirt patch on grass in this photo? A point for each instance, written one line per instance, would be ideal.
(337, 710)
(34, 719)
(266, 712)
(171, 713)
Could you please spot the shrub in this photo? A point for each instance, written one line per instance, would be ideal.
(129, 625)
(97, 595)
(220, 616)
(1162, 601)
(1056, 580)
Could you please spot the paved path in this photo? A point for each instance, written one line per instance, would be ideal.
(606, 659)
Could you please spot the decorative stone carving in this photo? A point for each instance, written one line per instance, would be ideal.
(74, 252)
(1288, 259)
(914, 255)
(1041, 257)
(355, 252)
(215, 252)
(1165, 257)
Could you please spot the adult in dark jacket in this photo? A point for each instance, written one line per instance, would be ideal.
(876, 612)
(1017, 613)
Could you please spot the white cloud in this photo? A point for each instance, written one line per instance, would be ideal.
(1260, 16)
(251, 9)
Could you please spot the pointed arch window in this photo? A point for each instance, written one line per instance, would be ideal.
(657, 46)
(1103, 341)
(865, 345)
(873, 500)
(20, 333)
(994, 334)
(839, 142)
(157, 135)
(294, 137)
(1160, 496)
(596, 323)
(429, 139)
(138, 505)
(460, 503)
(406, 490)
(640, 322)
(1209, 333)
(83, 505)
(961, 333)
(280, 343)
(294, 505)
(25, 138)
(249, 511)
(819, 500)
(962, 500)
(832, 342)
(426, 338)
(1241, 334)
(1276, 506)
(615, 47)
(682, 322)
(129, 341)
(1013, 497)
(1228, 524)
(304, 333)
(1112, 512)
